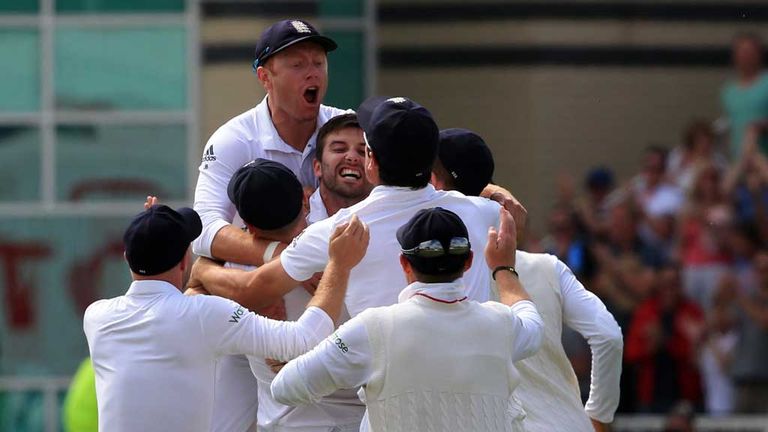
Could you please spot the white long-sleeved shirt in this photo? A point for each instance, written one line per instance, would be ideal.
(154, 352)
(248, 136)
(375, 281)
(585, 312)
(346, 359)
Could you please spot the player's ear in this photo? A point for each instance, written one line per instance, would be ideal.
(468, 262)
(264, 77)
(406, 265)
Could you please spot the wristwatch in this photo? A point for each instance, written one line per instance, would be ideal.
(507, 268)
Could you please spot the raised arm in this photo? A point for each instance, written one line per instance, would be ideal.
(500, 256)
(509, 202)
(254, 289)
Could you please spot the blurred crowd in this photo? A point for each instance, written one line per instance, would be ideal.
(679, 254)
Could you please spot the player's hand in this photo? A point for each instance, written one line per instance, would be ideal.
(516, 208)
(502, 244)
(151, 200)
(310, 285)
(349, 243)
(599, 426)
(275, 365)
(197, 290)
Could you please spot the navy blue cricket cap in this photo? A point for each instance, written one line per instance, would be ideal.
(467, 159)
(158, 238)
(283, 34)
(433, 224)
(266, 194)
(402, 135)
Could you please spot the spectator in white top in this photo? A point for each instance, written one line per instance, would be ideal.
(291, 64)
(435, 360)
(402, 138)
(154, 350)
(547, 378)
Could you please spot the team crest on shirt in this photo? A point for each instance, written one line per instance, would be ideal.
(301, 27)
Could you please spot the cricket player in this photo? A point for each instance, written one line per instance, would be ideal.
(292, 66)
(236, 402)
(435, 360)
(548, 390)
(154, 350)
(339, 166)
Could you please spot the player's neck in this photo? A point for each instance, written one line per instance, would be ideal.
(173, 278)
(295, 133)
(334, 202)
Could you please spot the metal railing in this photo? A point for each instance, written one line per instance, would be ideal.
(49, 387)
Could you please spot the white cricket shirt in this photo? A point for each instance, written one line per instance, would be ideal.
(237, 401)
(154, 352)
(347, 359)
(375, 281)
(242, 139)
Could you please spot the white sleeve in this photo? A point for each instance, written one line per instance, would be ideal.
(224, 154)
(527, 329)
(232, 329)
(342, 361)
(308, 252)
(585, 313)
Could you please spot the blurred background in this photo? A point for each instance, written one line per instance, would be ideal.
(633, 131)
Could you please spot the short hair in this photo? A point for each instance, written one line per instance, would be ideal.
(441, 172)
(695, 128)
(340, 122)
(748, 36)
(433, 278)
(655, 149)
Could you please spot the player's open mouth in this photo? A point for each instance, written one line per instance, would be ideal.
(310, 94)
(351, 174)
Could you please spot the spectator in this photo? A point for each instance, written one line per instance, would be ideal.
(652, 190)
(751, 356)
(661, 344)
(593, 211)
(659, 200)
(565, 241)
(742, 244)
(698, 149)
(747, 182)
(703, 225)
(745, 95)
(717, 353)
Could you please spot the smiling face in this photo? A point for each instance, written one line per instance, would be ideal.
(340, 166)
(296, 80)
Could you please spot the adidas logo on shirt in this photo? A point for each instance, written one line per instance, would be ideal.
(208, 156)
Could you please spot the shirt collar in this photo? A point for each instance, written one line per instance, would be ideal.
(448, 292)
(269, 138)
(317, 210)
(385, 190)
(145, 287)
